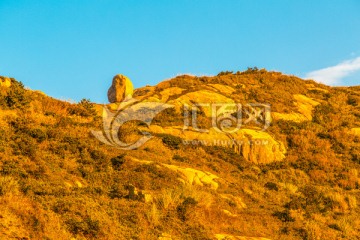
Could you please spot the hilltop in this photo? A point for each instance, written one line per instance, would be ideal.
(290, 172)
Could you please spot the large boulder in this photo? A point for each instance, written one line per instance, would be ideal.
(121, 88)
(5, 81)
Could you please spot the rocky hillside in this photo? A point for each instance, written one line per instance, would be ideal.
(289, 169)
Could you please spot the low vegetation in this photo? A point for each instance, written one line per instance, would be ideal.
(58, 181)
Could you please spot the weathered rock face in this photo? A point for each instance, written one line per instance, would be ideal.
(120, 89)
(195, 177)
(255, 146)
(188, 176)
(200, 97)
(305, 106)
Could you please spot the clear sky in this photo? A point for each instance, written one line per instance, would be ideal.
(71, 49)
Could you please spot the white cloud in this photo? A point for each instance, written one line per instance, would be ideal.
(333, 75)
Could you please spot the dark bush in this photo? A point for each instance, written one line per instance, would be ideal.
(152, 169)
(184, 207)
(284, 216)
(116, 162)
(352, 101)
(71, 144)
(100, 158)
(38, 134)
(11, 167)
(171, 141)
(322, 113)
(271, 186)
(117, 191)
(97, 155)
(64, 122)
(62, 206)
(179, 158)
(224, 73)
(313, 201)
(296, 203)
(88, 227)
(24, 145)
(355, 155)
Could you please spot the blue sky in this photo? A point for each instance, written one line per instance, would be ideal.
(72, 49)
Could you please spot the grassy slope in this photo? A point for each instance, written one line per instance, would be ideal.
(58, 181)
